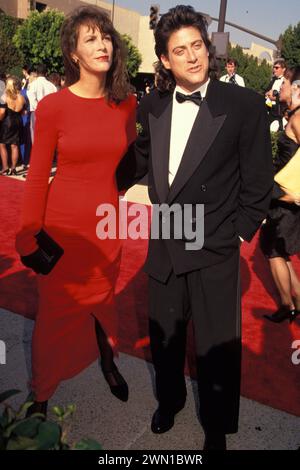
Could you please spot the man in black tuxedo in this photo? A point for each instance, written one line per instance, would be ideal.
(204, 144)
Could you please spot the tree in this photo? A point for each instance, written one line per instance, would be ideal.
(291, 45)
(256, 75)
(10, 57)
(8, 24)
(134, 57)
(38, 39)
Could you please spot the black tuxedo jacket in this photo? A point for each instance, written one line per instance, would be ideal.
(226, 165)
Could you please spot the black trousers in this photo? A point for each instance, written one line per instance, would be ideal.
(211, 297)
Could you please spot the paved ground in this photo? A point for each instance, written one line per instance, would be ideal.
(118, 425)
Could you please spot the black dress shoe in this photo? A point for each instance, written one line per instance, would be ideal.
(116, 382)
(283, 313)
(215, 441)
(37, 407)
(163, 421)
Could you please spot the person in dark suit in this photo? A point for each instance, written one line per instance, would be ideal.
(206, 148)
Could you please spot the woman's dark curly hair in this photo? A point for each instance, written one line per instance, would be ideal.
(181, 16)
(117, 82)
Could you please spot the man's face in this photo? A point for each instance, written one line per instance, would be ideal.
(230, 68)
(278, 70)
(187, 58)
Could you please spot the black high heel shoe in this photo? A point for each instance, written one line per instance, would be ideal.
(293, 315)
(116, 382)
(37, 407)
(13, 172)
(283, 313)
(5, 172)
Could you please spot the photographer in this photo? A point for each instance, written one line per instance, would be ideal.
(275, 111)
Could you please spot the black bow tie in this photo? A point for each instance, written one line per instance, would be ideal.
(194, 97)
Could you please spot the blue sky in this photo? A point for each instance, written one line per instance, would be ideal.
(266, 17)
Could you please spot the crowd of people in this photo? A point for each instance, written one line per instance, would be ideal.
(202, 141)
(18, 103)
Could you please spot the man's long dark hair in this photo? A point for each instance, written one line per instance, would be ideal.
(181, 16)
(117, 83)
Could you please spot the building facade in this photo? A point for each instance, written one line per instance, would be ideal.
(126, 22)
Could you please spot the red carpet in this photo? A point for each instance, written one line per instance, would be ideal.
(268, 374)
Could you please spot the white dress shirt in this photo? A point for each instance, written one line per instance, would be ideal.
(2, 91)
(238, 79)
(38, 89)
(277, 84)
(275, 87)
(183, 118)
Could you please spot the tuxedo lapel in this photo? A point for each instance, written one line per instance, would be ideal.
(203, 133)
(160, 130)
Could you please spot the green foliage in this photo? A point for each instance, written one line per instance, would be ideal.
(134, 57)
(38, 39)
(139, 128)
(8, 25)
(10, 56)
(274, 142)
(291, 45)
(35, 433)
(256, 75)
(16, 70)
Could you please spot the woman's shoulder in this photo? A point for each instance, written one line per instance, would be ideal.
(130, 102)
(294, 127)
(295, 120)
(53, 102)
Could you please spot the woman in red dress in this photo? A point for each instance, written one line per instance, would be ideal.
(90, 124)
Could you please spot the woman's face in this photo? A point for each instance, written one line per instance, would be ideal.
(286, 91)
(94, 51)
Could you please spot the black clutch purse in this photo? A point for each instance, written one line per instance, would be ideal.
(43, 260)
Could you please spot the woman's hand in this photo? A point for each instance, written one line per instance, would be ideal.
(34, 261)
(291, 198)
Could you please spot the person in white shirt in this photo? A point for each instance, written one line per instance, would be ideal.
(272, 95)
(231, 76)
(36, 91)
(2, 88)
